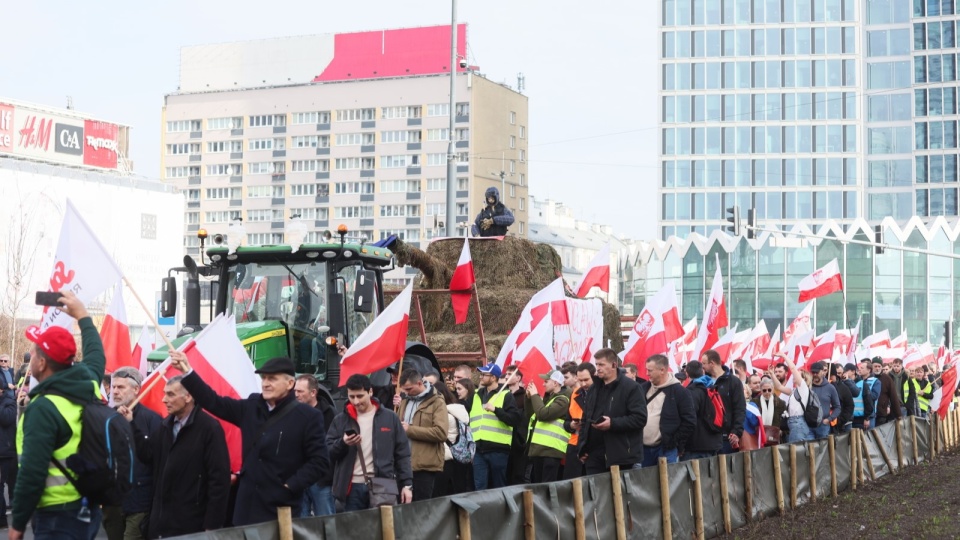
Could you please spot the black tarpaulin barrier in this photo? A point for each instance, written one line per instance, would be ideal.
(736, 490)
(764, 487)
(642, 511)
(822, 467)
(712, 506)
(681, 499)
(842, 450)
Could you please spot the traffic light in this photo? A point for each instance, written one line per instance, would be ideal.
(878, 239)
(948, 335)
(752, 224)
(734, 220)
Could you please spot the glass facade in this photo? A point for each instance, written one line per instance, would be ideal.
(806, 111)
(896, 290)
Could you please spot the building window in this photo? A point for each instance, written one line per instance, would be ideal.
(182, 172)
(463, 109)
(228, 122)
(310, 141)
(224, 170)
(400, 210)
(348, 212)
(311, 118)
(310, 165)
(267, 167)
(513, 117)
(463, 184)
(260, 144)
(193, 218)
(343, 188)
(399, 186)
(520, 227)
(513, 190)
(523, 132)
(223, 216)
(513, 166)
(388, 113)
(264, 239)
(395, 162)
(513, 142)
(188, 149)
(266, 120)
(438, 134)
(438, 109)
(265, 215)
(312, 213)
(220, 193)
(523, 156)
(405, 136)
(183, 126)
(223, 147)
(264, 192)
(522, 203)
(350, 115)
(523, 179)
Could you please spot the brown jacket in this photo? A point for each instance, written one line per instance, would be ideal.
(888, 404)
(427, 432)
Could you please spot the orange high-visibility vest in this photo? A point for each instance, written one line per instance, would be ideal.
(576, 413)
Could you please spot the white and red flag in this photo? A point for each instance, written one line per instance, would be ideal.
(948, 386)
(461, 283)
(823, 350)
(724, 345)
(799, 325)
(81, 265)
(535, 355)
(821, 282)
(218, 357)
(382, 343)
(649, 335)
(714, 316)
(879, 339)
(536, 310)
(145, 345)
(764, 358)
(756, 343)
(898, 342)
(115, 334)
(597, 273)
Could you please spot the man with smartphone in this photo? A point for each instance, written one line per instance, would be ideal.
(42, 494)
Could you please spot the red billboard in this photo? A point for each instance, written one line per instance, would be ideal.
(100, 144)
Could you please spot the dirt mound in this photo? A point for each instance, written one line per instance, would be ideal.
(508, 273)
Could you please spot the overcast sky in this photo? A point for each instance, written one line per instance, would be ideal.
(591, 75)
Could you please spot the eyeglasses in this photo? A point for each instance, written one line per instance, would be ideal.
(767, 391)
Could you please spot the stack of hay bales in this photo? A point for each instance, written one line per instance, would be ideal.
(508, 272)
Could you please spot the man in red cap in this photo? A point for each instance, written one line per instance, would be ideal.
(50, 429)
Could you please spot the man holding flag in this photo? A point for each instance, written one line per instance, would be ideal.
(284, 448)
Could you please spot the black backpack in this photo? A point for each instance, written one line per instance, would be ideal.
(812, 412)
(102, 468)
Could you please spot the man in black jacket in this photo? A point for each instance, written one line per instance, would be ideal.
(845, 420)
(318, 498)
(191, 467)
(670, 414)
(706, 440)
(494, 218)
(283, 440)
(123, 522)
(367, 441)
(614, 418)
(8, 449)
(734, 403)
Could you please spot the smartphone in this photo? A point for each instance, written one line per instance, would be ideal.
(350, 432)
(51, 299)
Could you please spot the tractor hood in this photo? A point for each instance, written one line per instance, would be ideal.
(248, 332)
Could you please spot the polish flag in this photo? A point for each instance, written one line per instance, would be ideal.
(799, 344)
(823, 350)
(597, 274)
(799, 325)
(714, 316)
(913, 357)
(948, 386)
(649, 335)
(536, 309)
(81, 264)
(145, 344)
(382, 343)
(219, 358)
(850, 351)
(899, 341)
(461, 283)
(724, 345)
(764, 358)
(756, 343)
(739, 342)
(115, 334)
(535, 356)
(878, 339)
(821, 282)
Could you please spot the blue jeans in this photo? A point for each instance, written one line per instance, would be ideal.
(799, 430)
(357, 499)
(492, 465)
(317, 501)
(821, 431)
(690, 456)
(64, 525)
(652, 454)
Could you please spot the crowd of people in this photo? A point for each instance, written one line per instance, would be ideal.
(421, 437)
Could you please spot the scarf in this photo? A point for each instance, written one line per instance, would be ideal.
(766, 410)
(413, 402)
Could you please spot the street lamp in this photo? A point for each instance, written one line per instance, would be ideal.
(451, 156)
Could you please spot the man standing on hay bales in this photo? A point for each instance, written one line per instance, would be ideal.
(494, 218)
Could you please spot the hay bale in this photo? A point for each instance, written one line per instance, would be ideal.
(511, 263)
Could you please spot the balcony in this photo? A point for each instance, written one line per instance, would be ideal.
(413, 170)
(366, 197)
(279, 153)
(322, 199)
(462, 118)
(193, 180)
(236, 202)
(196, 134)
(366, 222)
(276, 225)
(413, 196)
(323, 151)
(414, 121)
(195, 157)
(321, 223)
(368, 124)
(367, 173)
(463, 168)
(323, 127)
(236, 155)
(465, 194)
(413, 221)
(193, 227)
(463, 144)
(279, 129)
(279, 177)
(368, 148)
(323, 175)
(277, 201)
(236, 179)
(236, 132)
(193, 204)
(414, 146)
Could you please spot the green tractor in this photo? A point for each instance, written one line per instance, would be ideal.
(300, 304)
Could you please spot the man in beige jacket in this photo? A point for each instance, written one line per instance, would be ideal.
(423, 415)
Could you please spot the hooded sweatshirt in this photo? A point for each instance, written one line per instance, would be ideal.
(671, 416)
(44, 430)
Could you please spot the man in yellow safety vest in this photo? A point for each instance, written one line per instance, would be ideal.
(546, 438)
(49, 429)
(492, 417)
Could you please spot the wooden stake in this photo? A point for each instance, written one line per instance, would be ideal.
(793, 477)
(883, 451)
(748, 485)
(285, 522)
(853, 459)
(832, 450)
(617, 502)
(665, 499)
(899, 436)
(386, 523)
(697, 501)
(529, 527)
(916, 446)
(811, 454)
(865, 455)
(578, 523)
(932, 438)
(463, 517)
(778, 481)
(860, 471)
(724, 493)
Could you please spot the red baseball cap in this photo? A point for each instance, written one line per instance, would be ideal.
(56, 342)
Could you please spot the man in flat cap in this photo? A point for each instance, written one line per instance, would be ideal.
(284, 451)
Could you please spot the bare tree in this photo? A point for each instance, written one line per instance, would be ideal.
(24, 235)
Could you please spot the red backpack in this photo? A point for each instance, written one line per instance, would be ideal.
(713, 410)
